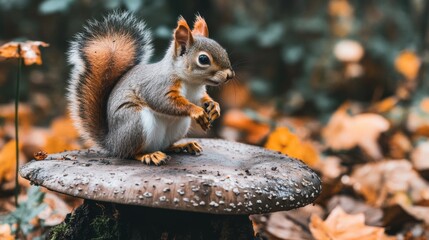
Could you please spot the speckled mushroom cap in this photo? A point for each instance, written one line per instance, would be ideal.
(228, 178)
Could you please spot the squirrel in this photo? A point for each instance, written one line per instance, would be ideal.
(135, 109)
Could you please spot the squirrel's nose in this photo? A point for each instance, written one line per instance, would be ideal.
(230, 75)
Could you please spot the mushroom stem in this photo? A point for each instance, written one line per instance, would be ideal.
(104, 220)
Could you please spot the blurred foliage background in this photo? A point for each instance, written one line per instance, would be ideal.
(341, 84)
(303, 57)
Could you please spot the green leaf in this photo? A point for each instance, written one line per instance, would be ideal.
(271, 35)
(133, 5)
(111, 4)
(52, 6)
(292, 54)
(27, 210)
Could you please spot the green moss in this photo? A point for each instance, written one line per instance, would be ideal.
(59, 230)
(104, 228)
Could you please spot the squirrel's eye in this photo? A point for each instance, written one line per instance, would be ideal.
(203, 59)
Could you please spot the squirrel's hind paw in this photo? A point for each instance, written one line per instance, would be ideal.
(190, 147)
(156, 158)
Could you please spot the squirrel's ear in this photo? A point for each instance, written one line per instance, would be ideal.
(200, 27)
(182, 37)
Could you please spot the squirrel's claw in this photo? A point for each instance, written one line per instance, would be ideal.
(202, 118)
(157, 158)
(213, 110)
(190, 147)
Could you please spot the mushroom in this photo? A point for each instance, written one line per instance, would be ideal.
(209, 195)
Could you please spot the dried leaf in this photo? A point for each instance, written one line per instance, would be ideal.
(389, 182)
(408, 64)
(8, 161)
(373, 216)
(6, 232)
(330, 167)
(56, 210)
(254, 132)
(418, 118)
(342, 226)
(7, 111)
(418, 212)
(40, 155)
(344, 132)
(63, 126)
(284, 141)
(385, 105)
(419, 156)
(235, 95)
(424, 105)
(340, 8)
(348, 51)
(30, 51)
(399, 145)
(286, 225)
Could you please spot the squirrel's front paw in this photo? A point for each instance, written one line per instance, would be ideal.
(212, 109)
(201, 117)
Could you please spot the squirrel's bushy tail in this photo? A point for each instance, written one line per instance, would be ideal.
(100, 55)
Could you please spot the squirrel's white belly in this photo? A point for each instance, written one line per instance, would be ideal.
(161, 130)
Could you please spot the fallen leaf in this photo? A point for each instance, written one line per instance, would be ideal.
(63, 126)
(29, 51)
(6, 232)
(63, 136)
(286, 142)
(235, 95)
(408, 64)
(385, 105)
(389, 182)
(348, 51)
(40, 155)
(419, 156)
(253, 131)
(341, 226)
(330, 167)
(418, 212)
(8, 161)
(399, 145)
(340, 8)
(373, 215)
(344, 132)
(56, 210)
(25, 115)
(286, 224)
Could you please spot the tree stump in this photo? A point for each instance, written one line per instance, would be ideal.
(207, 196)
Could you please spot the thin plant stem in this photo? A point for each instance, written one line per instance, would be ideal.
(18, 78)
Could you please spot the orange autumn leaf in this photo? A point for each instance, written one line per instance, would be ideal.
(63, 126)
(6, 232)
(340, 8)
(253, 130)
(284, 141)
(385, 105)
(424, 105)
(342, 226)
(40, 155)
(408, 64)
(344, 132)
(385, 183)
(29, 51)
(418, 118)
(63, 136)
(56, 144)
(7, 161)
(25, 114)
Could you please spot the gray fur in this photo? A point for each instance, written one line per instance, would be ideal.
(126, 135)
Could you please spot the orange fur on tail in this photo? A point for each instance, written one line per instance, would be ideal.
(101, 55)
